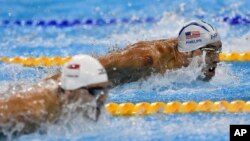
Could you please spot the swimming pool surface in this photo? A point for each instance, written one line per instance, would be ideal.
(132, 21)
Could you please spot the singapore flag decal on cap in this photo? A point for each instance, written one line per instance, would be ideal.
(73, 70)
(74, 66)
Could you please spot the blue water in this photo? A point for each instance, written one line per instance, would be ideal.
(230, 83)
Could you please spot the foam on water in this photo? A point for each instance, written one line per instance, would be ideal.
(181, 84)
(15, 78)
(172, 127)
(240, 44)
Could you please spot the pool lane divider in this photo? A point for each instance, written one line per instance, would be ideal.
(58, 61)
(145, 108)
(231, 20)
(36, 61)
(77, 22)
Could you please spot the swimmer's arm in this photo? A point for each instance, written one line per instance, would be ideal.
(129, 59)
(13, 107)
(115, 61)
(29, 108)
(134, 58)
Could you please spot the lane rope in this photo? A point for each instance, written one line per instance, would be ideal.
(231, 20)
(40, 61)
(145, 108)
(77, 22)
(58, 61)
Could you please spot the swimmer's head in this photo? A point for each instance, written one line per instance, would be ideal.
(82, 71)
(196, 34)
(198, 38)
(84, 78)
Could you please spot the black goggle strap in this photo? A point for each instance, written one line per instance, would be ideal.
(95, 91)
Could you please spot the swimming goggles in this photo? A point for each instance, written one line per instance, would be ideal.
(95, 91)
(211, 50)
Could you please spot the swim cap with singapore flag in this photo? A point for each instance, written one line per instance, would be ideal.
(81, 71)
(195, 35)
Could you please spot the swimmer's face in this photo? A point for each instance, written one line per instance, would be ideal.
(93, 97)
(211, 52)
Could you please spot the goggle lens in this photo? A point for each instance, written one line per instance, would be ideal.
(211, 50)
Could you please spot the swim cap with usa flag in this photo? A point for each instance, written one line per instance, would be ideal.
(196, 34)
(81, 71)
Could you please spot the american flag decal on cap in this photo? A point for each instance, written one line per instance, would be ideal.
(74, 66)
(192, 34)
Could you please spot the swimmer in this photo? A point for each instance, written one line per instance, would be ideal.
(196, 38)
(84, 81)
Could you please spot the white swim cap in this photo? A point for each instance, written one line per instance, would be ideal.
(196, 34)
(81, 71)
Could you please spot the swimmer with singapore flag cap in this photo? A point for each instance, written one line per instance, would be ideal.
(84, 81)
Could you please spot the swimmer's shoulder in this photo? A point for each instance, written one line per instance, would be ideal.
(168, 42)
(165, 42)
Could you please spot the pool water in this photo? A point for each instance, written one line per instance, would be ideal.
(135, 21)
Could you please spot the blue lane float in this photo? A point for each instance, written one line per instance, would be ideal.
(237, 20)
(77, 22)
(233, 21)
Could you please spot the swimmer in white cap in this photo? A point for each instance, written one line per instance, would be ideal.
(196, 38)
(83, 81)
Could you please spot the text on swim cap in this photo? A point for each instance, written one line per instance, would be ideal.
(214, 36)
(193, 41)
(70, 75)
(102, 71)
(73, 70)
